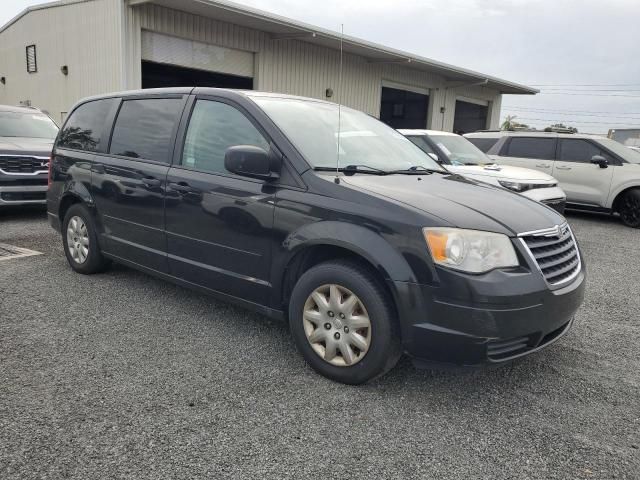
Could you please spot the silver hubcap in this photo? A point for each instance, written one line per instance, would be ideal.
(337, 325)
(78, 239)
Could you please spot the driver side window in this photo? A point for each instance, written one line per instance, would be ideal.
(213, 128)
(581, 151)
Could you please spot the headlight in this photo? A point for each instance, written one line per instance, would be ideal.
(523, 187)
(515, 186)
(470, 250)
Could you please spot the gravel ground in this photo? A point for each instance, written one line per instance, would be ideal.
(120, 375)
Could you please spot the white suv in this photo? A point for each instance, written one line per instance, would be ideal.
(596, 173)
(460, 156)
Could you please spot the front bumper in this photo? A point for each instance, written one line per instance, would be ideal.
(488, 319)
(23, 189)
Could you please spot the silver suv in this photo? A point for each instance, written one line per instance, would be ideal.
(596, 173)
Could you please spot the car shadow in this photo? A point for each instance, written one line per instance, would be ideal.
(26, 213)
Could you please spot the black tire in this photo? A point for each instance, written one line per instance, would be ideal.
(629, 208)
(384, 347)
(95, 262)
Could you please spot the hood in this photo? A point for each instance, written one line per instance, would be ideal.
(25, 146)
(503, 172)
(460, 202)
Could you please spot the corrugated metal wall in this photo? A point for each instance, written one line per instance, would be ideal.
(100, 41)
(85, 36)
(299, 68)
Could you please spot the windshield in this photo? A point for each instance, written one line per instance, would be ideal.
(459, 150)
(31, 125)
(364, 141)
(620, 149)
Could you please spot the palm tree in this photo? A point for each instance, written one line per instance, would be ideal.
(509, 123)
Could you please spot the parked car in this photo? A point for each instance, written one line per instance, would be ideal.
(367, 246)
(596, 173)
(26, 139)
(460, 156)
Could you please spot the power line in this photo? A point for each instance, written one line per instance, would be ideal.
(572, 114)
(521, 107)
(583, 122)
(591, 94)
(585, 85)
(591, 90)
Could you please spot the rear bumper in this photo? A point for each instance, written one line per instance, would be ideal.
(505, 315)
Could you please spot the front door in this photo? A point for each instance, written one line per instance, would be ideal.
(583, 181)
(219, 224)
(128, 182)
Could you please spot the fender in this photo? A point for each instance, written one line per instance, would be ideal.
(621, 188)
(361, 241)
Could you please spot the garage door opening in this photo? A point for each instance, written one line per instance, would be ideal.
(469, 117)
(404, 109)
(159, 75)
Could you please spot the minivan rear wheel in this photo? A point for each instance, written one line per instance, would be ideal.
(629, 208)
(343, 322)
(80, 241)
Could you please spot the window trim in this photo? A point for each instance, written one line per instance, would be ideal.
(178, 150)
(174, 131)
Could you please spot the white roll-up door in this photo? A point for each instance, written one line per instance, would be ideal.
(160, 48)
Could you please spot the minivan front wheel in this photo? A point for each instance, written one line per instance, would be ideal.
(630, 208)
(80, 241)
(343, 323)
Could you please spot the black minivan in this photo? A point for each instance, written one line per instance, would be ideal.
(316, 214)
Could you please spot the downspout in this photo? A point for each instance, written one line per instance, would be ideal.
(452, 87)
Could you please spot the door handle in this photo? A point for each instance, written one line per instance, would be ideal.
(541, 165)
(181, 187)
(150, 181)
(563, 168)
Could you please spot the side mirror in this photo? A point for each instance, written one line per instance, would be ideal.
(600, 160)
(435, 157)
(250, 161)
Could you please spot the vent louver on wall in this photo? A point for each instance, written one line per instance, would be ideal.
(32, 63)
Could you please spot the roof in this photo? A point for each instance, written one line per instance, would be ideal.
(284, 28)
(18, 109)
(415, 132)
(528, 133)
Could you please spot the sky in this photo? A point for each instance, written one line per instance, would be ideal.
(584, 55)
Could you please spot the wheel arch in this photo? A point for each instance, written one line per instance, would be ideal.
(324, 241)
(618, 196)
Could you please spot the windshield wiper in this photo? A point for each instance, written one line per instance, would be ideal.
(353, 169)
(420, 170)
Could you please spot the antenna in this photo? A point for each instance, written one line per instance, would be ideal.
(337, 179)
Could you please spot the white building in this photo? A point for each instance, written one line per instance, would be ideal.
(53, 54)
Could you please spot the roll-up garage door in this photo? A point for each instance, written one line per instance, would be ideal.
(166, 49)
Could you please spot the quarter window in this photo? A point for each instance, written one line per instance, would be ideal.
(483, 143)
(532, 147)
(579, 151)
(144, 128)
(213, 128)
(83, 130)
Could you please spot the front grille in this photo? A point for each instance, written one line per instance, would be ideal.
(502, 349)
(19, 164)
(23, 196)
(555, 252)
(505, 349)
(559, 205)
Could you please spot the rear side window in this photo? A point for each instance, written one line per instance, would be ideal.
(483, 143)
(213, 128)
(144, 128)
(532, 147)
(580, 151)
(84, 128)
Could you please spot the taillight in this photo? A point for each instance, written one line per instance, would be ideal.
(49, 179)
